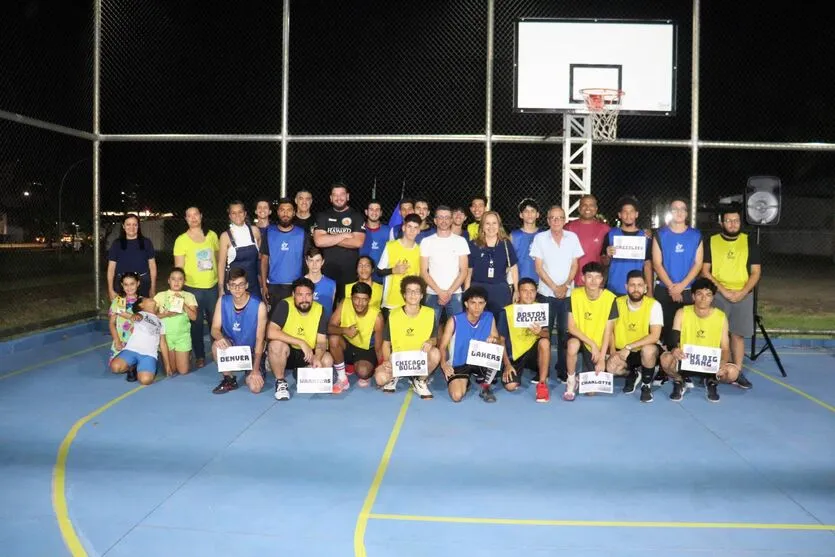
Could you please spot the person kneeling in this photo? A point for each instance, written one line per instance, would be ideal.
(139, 356)
(699, 325)
(239, 320)
(471, 324)
(355, 335)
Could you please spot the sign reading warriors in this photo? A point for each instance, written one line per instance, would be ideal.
(591, 382)
(525, 315)
(409, 363)
(630, 247)
(234, 358)
(315, 380)
(701, 359)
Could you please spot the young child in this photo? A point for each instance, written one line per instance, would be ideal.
(139, 356)
(121, 313)
(177, 309)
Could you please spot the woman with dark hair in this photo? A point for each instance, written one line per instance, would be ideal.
(131, 253)
(239, 247)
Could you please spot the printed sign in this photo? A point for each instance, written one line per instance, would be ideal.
(525, 315)
(315, 380)
(701, 359)
(409, 363)
(234, 358)
(630, 247)
(591, 382)
(483, 354)
(175, 304)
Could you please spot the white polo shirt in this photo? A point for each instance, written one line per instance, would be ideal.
(556, 257)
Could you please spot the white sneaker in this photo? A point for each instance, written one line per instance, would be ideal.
(282, 391)
(421, 387)
(390, 386)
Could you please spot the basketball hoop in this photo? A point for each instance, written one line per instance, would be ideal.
(603, 106)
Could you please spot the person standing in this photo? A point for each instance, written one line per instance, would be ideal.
(132, 253)
(303, 217)
(263, 211)
(196, 251)
(340, 232)
(523, 237)
(239, 248)
(590, 231)
(324, 288)
(477, 207)
(620, 267)
(733, 264)
(423, 211)
(401, 258)
(444, 264)
(376, 234)
(282, 254)
(493, 264)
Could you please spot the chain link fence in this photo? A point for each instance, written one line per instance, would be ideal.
(396, 71)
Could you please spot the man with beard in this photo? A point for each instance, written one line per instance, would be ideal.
(732, 263)
(634, 351)
(297, 336)
(282, 254)
(340, 233)
(620, 264)
(376, 234)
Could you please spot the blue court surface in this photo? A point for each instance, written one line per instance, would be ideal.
(92, 465)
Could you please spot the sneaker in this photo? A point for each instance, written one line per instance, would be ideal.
(631, 381)
(363, 383)
(130, 376)
(391, 386)
(570, 386)
(486, 394)
(282, 390)
(712, 386)
(421, 388)
(349, 369)
(688, 382)
(341, 386)
(678, 391)
(646, 393)
(228, 383)
(542, 393)
(742, 382)
(660, 379)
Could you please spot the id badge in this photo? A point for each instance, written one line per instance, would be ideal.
(491, 272)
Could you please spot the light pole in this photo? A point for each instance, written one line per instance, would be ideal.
(60, 191)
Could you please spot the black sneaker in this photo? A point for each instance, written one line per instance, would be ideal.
(646, 393)
(228, 383)
(486, 394)
(688, 382)
(712, 386)
(678, 391)
(742, 382)
(631, 381)
(130, 376)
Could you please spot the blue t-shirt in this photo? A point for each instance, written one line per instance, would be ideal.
(375, 242)
(324, 292)
(425, 234)
(465, 332)
(483, 259)
(132, 259)
(286, 253)
(241, 327)
(678, 251)
(522, 244)
(619, 268)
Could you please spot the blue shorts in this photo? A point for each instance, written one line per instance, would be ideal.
(146, 364)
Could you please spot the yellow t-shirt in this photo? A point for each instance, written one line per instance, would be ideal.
(200, 259)
(304, 327)
(522, 339)
(729, 261)
(472, 230)
(176, 324)
(409, 333)
(397, 252)
(376, 295)
(364, 324)
(591, 316)
(632, 326)
(700, 331)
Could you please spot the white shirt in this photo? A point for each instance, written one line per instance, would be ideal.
(556, 258)
(443, 255)
(146, 333)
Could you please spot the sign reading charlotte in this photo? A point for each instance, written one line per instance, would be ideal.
(234, 358)
(591, 382)
(525, 315)
(409, 363)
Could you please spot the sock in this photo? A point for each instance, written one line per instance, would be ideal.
(340, 371)
(646, 375)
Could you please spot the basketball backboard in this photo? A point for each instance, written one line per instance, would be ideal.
(555, 58)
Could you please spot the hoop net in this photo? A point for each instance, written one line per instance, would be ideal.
(603, 106)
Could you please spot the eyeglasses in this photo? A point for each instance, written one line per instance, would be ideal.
(236, 285)
(414, 291)
(678, 209)
(732, 221)
(556, 219)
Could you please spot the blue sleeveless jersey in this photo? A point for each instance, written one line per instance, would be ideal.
(465, 332)
(619, 268)
(375, 242)
(324, 292)
(239, 326)
(678, 251)
(286, 250)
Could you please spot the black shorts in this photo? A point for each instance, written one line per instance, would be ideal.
(277, 293)
(528, 360)
(585, 357)
(354, 354)
(479, 374)
(633, 360)
(295, 359)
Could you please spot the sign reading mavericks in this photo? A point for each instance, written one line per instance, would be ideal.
(591, 382)
(234, 358)
(315, 380)
(701, 359)
(630, 247)
(525, 315)
(409, 363)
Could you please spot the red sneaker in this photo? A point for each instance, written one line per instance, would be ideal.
(349, 369)
(542, 393)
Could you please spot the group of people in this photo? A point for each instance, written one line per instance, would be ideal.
(398, 302)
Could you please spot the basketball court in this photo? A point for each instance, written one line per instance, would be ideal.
(94, 465)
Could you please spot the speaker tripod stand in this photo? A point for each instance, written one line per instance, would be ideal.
(758, 322)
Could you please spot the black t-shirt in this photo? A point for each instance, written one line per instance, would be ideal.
(305, 223)
(340, 263)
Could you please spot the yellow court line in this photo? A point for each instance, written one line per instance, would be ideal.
(365, 513)
(603, 523)
(59, 477)
(791, 388)
(52, 361)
